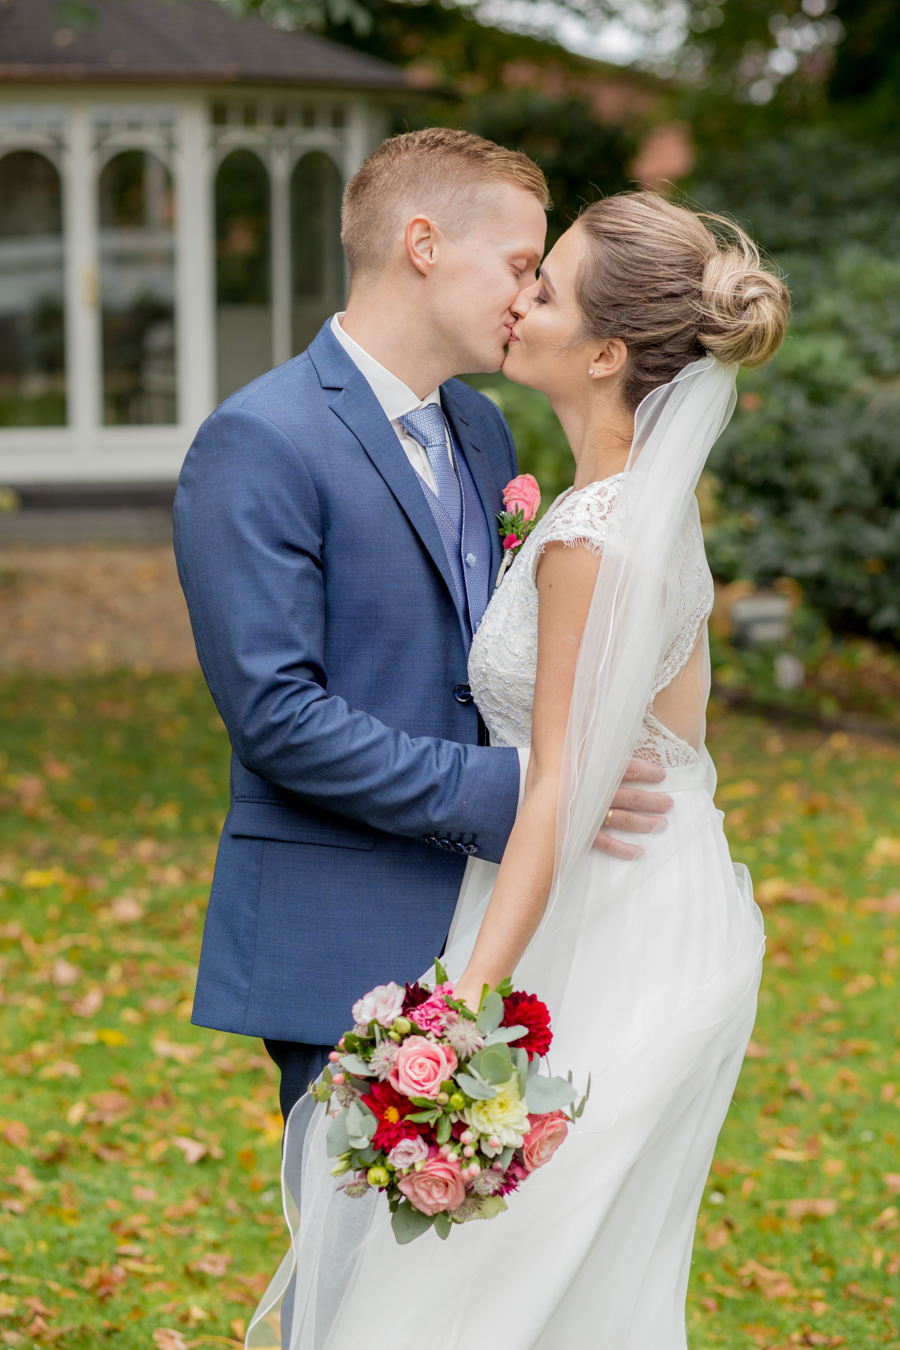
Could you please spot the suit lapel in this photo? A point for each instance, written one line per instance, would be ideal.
(361, 413)
(489, 489)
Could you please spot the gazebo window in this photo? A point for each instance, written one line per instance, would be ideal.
(243, 270)
(32, 319)
(137, 289)
(317, 261)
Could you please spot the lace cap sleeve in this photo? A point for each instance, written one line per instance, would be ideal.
(581, 518)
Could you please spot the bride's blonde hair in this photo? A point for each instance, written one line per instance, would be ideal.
(672, 289)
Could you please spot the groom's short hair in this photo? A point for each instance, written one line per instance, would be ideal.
(439, 171)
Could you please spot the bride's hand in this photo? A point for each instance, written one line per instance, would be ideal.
(635, 811)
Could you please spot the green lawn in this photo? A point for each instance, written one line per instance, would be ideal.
(139, 1156)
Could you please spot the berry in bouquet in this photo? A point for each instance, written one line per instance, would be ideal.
(443, 1109)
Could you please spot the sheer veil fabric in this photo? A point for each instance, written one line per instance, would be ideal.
(650, 970)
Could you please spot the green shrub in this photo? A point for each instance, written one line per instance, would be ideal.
(809, 469)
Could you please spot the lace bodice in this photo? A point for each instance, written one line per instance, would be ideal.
(503, 658)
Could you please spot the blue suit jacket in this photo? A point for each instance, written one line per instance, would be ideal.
(326, 623)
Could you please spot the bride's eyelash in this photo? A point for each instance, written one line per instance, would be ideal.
(540, 299)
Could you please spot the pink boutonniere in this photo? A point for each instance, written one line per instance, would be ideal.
(522, 498)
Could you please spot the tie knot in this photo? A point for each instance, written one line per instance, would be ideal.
(427, 425)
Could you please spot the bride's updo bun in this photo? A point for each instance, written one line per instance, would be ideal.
(673, 289)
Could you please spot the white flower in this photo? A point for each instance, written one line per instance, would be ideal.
(354, 1186)
(382, 1060)
(464, 1036)
(505, 1116)
(488, 1183)
(381, 1004)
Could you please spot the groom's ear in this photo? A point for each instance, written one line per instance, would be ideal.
(421, 239)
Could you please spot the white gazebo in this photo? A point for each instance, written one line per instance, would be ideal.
(170, 184)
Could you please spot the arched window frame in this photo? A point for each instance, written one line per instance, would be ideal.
(281, 149)
(50, 148)
(79, 129)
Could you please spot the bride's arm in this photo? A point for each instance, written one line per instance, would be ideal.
(565, 582)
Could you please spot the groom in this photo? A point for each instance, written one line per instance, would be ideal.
(336, 535)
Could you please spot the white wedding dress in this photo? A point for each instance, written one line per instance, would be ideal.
(651, 979)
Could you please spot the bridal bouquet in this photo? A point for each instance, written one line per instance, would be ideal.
(443, 1109)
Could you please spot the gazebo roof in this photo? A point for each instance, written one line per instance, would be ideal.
(191, 40)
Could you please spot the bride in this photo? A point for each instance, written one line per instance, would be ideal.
(592, 651)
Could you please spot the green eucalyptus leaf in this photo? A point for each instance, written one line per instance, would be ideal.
(548, 1094)
(353, 1064)
(493, 1064)
(440, 973)
(505, 1035)
(442, 1226)
(472, 1087)
(442, 1134)
(409, 1223)
(337, 1141)
(490, 1014)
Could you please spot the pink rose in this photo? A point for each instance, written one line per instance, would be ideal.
(439, 1185)
(523, 492)
(421, 1066)
(382, 1004)
(510, 541)
(543, 1139)
(408, 1152)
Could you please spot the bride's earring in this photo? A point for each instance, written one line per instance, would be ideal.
(591, 371)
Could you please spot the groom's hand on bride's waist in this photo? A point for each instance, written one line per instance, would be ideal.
(635, 810)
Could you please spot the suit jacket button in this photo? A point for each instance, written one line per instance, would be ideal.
(445, 844)
(430, 839)
(463, 694)
(471, 849)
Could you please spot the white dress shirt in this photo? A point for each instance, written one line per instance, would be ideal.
(396, 400)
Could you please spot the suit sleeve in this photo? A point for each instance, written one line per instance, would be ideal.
(249, 549)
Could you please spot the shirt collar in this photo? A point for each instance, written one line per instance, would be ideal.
(393, 395)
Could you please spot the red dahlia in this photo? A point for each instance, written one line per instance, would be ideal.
(526, 1010)
(415, 995)
(390, 1109)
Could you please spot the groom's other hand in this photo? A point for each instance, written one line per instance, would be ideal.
(635, 811)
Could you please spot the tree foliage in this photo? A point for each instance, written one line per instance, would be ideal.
(809, 469)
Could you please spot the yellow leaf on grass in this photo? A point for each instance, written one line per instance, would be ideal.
(860, 985)
(164, 1338)
(192, 1149)
(212, 1263)
(884, 852)
(60, 1068)
(755, 1051)
(716, 1236)
(892, 1181)
(111, 1036)
(770, 1283)
(167, 1049)
(887, 1218)
(816, 1208)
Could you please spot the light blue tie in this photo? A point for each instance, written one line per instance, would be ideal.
(428, 426)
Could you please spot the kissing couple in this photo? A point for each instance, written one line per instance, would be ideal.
(514, 777)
